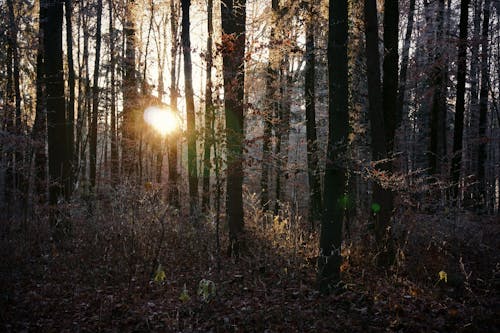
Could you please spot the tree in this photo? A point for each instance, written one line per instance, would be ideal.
(460, 99)
(209, 110)
(114, 139)
(56, 111)
(191, 121)
(233, 15)
(71, 100)
(335, 198)
(95, 99)
(172, 144)
(313, 171)
(129, 134)
(483, 105)
(271, 109)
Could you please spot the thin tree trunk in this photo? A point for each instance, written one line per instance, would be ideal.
(114, 139)
(190, 115)
(271, 110)
(313, 171)
(129, 126)
(71, 101)
(460, 102)
(404, 61)
(39, 132)
(95, 100)
(209, 112)
(172, 144)
(483, 105)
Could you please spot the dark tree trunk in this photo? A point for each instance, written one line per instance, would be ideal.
(39, 132)
(95, 99)
(190, 115)
(172, 143)
(381, 197)
(313, 171)
(209, 112)
(438, 109)
(483, 105)
(56, 112)
(336, 161)
(129, 135)
(460, 102)
(71, 101)
(233, 16)
(114, 139)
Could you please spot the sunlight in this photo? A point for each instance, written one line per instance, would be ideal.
(163, 120)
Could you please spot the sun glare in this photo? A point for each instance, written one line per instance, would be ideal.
(162, 120)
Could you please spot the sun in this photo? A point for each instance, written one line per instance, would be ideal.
(163, 120)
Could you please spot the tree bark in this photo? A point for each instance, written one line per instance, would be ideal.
(114, 138)
(336, 167)
(190, 114)
(56, 112)
(233, 16)
(483, 106)
(460, 101)
(71, 100)
(129, 131)
(173, 195)
(313, 171)
(95, 99)
(209, 111)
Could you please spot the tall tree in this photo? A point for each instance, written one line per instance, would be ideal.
(438, 107)
(39, 132)
(95, 98)
(460, 102)
(336, 167)
(114, 137)
(313, 171)
(404, 61)
(382, 197)
(209, 110)
(233, 15)
(56, 112)
(483, 104)
(172, 144)
(271, 108)
(68, 9)
(129, 134)
(190, 114)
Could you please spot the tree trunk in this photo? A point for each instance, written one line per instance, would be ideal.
(233, 16)
(483, 106)
(336, 167)
(381, 197)
(209, 112)
(270, 111)
(172, 143)
(95, 100)
(460, 102)
(404, 62)
(71, 85)
(313, 170)
(114, 139)
(190, 114)
(39, 132)
(129, 126)
(56, 113)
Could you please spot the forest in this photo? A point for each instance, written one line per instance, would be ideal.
(250, 166)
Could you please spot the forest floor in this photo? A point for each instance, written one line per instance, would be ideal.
(104, 280)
